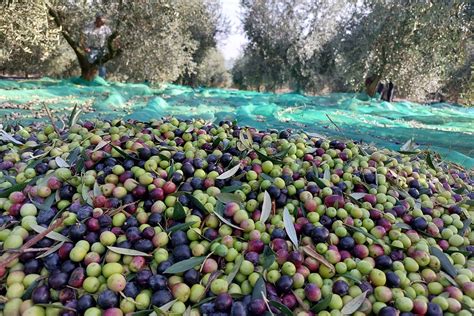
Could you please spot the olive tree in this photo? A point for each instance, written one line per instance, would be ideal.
(155, 40)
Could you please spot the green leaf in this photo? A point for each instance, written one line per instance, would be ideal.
(17, 187)
(73, 156)
(183, 226)
(185, 265)
(122, 152)
(145, 312)
(51, 235)
(197, 204)
(357, 195)
(446, 265)
(27, 294)
(128, 252)
(466, 224)
(459, 190)
(282, 154)
(264, 157)
(225, 221)
(61, 163)
(322, 305)
(171, 170)
(429, 161)
(47, 204)
(178, 212)
(229, 173)
(235, 270)
(96, 189)
(203, 301)
(266, 207)
(320, 183)
(231, 188)
(216, 142)
(265, 176)
(281, 308)
(163, 309)
(351, 277)
(268, 257)
(366, 234)
(327, 174)
(353, 305)
(259, 290)
(228, 197)
(51, 250)
(290, 227)
(85, 195)
(403, 226)
(312, 253)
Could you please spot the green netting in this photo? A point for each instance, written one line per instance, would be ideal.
(445, 128)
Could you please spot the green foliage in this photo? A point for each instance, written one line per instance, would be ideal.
(163, 40)
(319, 46)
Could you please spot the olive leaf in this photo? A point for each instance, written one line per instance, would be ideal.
(282, 154)
(322, 305)
(73, 156)
(266, 207)
(357, 195)
(171, 170)
(446, 265)
(187, 312)
(182, 226)
(163, 309)
(264, 157)
(100, 145)
(197, 204)
(18, 187)
(351, 277)
(122, 152)
(185, 265)
(266, 177)
(85, 195)
(403, 226)
(229, 173)
(327, 174)
(96, 189)
(268, 257)
(228, 197)
(429, 161)
(231, 188)
(235, 270)
(312, 253)
(51, 235)
(178, 212)
(466, 224)
(225, 221)
(51, 250)
(366, 234)
(283, 309)
(353, 305)
(61, 163)
(260, 289)
(8, 138)
(29, 290)
(127, 252)
(290, 227)
(46, 205)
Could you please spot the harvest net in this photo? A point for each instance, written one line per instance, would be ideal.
(445, 128)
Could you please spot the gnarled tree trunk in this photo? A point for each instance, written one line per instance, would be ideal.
(88, 70)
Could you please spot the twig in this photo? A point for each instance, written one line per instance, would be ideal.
(29, 250)
(30, 243)
(334, 124)
(51, 119)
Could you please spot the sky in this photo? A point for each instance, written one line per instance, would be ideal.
(232, 45)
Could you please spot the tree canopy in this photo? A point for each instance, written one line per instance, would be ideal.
(163, 40)
(312, 45)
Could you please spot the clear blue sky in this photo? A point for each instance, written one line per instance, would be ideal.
(232, 44)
